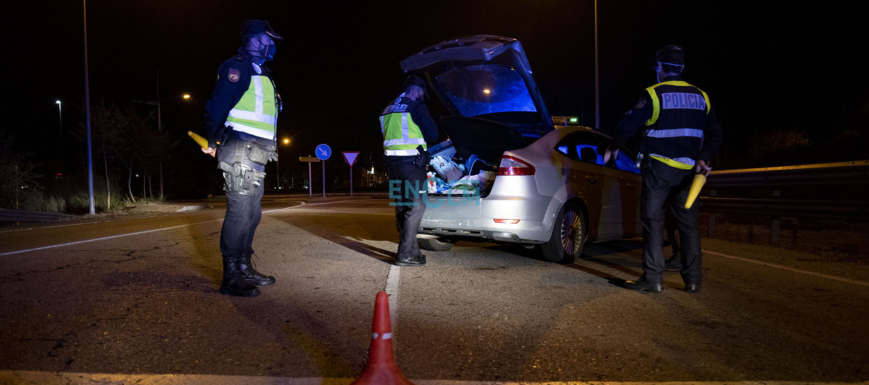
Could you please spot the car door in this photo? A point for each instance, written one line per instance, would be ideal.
(625, 169)
(598, 186)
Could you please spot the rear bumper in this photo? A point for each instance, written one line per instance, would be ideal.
(470, 217)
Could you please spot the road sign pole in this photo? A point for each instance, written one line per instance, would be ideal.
(324, 179)
(350, 159)
(310, 181)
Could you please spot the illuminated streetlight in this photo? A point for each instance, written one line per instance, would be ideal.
(186, 96)
(278, 163)
(486, 91)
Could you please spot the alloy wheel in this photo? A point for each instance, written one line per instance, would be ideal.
(571, 231)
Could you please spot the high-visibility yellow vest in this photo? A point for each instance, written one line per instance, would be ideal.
(401, 135)
(256, 112)
(683, 109)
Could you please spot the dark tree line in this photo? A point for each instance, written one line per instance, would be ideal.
(17, 177)
(124, 142)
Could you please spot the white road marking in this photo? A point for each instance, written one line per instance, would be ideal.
(833, 277)
(150, 231)
(392, 281)
(74, 224)
(58, 378)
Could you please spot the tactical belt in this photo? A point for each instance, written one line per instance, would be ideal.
(240, 177)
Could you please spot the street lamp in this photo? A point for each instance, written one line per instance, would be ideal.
(60, 119)
(160, 124)
(278, 163)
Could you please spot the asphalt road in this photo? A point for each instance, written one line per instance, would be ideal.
(139, 296)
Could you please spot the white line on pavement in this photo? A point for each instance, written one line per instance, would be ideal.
(74, 224)
(149, 231)
(833, 277)
(392, 281)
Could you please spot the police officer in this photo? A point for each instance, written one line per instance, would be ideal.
(681, 136)
(407, 126)
(240, 126)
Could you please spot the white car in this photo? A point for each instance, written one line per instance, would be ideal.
(538, 183)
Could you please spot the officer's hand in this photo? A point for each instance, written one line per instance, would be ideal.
(210, 151)
(607, 155)
(702, 168)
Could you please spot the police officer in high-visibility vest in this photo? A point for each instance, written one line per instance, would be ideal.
(681, 136)
(406, 127)
(241, 126)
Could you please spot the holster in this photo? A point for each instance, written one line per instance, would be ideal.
(422, 157)
(240, 178)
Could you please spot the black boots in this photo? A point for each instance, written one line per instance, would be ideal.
(235, 283)
(251, 275)
(643, 285)
(418, 260)
(692, 288)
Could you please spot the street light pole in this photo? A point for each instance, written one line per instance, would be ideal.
(87, 102)
(596, 76)
(159, 128)
(60, 120)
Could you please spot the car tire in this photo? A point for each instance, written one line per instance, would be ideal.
(568, 236)
(435, 244)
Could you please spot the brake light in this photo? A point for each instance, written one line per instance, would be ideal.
(511, 165)
(507, 221)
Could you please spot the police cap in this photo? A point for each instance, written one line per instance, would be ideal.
(256, 27)
(671, 54)
(414, 80)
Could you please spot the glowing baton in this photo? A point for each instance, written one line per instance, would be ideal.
(198, 139)
(696, 185)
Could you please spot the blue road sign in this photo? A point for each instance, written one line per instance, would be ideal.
(323, 151)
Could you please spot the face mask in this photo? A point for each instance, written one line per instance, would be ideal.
(269, 52)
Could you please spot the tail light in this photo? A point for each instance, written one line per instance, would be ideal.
(511, 165)
(507, 221)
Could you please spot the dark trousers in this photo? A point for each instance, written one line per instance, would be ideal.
(243, 214)
(671, 233)
(663, 185)
(409, 204)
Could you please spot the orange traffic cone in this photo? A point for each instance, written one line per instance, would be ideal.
(381, 368)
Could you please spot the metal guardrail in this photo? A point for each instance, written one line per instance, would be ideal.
(841, 173)
(811, 174)
(30, 216)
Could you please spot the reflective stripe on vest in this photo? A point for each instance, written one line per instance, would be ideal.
(680, 163)
(255, 113)
(401, 135)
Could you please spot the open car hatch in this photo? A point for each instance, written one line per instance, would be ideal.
(485, 82)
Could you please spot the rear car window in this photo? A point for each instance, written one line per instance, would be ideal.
(588, 148)
(486, 89)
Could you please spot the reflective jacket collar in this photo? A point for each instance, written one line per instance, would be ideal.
(673, 78)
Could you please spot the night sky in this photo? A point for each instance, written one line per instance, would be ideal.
(764, 67)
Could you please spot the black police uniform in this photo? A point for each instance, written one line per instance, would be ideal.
(409, 209)
(681, 129)
(242, 157)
